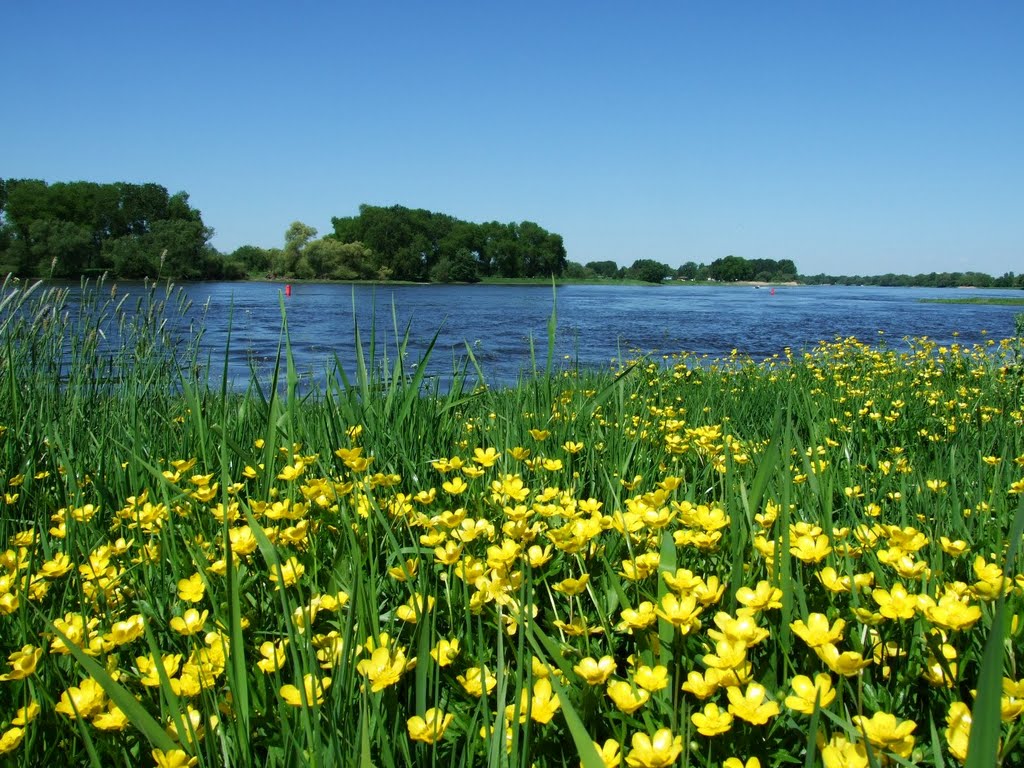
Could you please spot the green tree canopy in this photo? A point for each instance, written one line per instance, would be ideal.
(407, 244)
(67, 229)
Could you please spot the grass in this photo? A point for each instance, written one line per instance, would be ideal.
(1002, 300)
(383, 573)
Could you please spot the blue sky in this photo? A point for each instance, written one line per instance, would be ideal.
(853, 138)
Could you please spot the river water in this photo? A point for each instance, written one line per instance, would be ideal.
(596, 324)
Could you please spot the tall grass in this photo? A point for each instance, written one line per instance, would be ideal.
(331, 540)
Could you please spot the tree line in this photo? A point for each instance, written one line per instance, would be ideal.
(413, 244)
(728, 269)
(70, 229)
(923, 280)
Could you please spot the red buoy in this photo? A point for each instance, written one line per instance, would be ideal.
(288, 289)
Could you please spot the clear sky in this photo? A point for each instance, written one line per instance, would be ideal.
(852, 137)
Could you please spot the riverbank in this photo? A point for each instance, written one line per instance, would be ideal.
(383, 573)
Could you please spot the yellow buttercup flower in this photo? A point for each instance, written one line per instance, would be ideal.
(847, 663)
(173, 758)
(627, 698)
(11, 739)
(474, 681)
(958, 730)
(806, 692)
(291, 570)
(761, 598)
(817, 631)
(895, 603)
(651, 678)
(610, 753)
(429, 728)
(886, 732)
(752, 704)
(23, 663)
(384, 667)
(445, 652)
(311, 694)
(84, 700)
(486, 458)
(712, 721)
(681, 612)
(656, 751)
(189, 623)
(841, 753)
(595, 671)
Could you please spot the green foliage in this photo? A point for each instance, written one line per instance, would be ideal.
(607, 269)
(135, 230)
(648, 270)
(408, 244)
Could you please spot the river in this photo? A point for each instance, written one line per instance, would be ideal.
(596, 324)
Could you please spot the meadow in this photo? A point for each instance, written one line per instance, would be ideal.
(808, 560)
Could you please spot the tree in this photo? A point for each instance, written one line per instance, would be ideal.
(296, 238)
(607, 269)
(648, 270)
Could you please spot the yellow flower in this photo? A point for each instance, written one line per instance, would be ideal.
(111, 720)
(544, 703)
(735, 762)
(475, 680)
(23, 663)
(958, 730)
(712, 721)
(173, 758)
(273, 656)
(312, 693)
(627, 698)
(640, 617)
(657, 751)
(384, 667)
(429, 728)
(11, 739)
(486, 458)
(415, 607)
(445, 651)
(189, 623)
(124, 632)
(816, 631)
(595, 672)
(840, 753)
(570, 587)
(454, 487)
(84, 700)
(290, 572)
(26, 714)
(751, 705)
(540, 434)
(681, 613)
(703, 686)
(847, 664)
(761, 598)
(895, 603)
(610, 753)
(806, 692)
(651, 678)
(951, 612)
(192, 589)
(884, 731)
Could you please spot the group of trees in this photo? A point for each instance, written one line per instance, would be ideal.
(399, 243)
(80, 228)
(68, 229)
(728, 269)
(929, 280)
